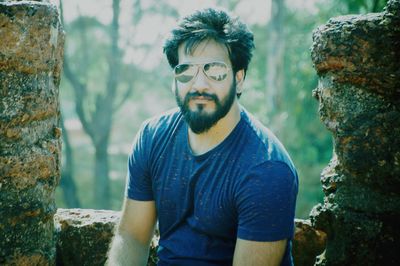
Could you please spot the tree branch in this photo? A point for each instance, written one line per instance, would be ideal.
(80, 89)
(114, 59)
(126, 95)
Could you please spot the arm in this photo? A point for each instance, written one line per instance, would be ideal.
(130, 245)
(266, 204)
(255, 253)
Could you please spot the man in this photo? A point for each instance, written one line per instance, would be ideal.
(220, 184)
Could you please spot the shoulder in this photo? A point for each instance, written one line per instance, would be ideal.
(271, 150)
(272, 175)
(161, 124)
(163, 120)
(260, 133)
(277, 175)
(155, 130)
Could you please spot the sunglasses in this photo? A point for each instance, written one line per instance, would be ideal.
(216, 71)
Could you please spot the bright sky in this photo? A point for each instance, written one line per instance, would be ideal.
(250, 11)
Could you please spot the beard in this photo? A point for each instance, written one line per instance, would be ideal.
(199, 120)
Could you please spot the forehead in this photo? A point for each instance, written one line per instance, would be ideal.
(205, 51)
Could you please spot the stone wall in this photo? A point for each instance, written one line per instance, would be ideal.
(31, 43)
(83, 237)
(357, 59)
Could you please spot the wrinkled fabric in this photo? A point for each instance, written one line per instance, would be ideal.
(245, 187)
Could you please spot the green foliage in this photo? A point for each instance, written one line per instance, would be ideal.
(296, 123)
(343, 7)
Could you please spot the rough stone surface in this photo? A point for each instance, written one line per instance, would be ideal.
(31, 41)
(83, 236)
(308, 243)
(358, 63)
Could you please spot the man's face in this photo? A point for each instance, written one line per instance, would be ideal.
(204, 101)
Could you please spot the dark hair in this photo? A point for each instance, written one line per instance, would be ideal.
(212, 24)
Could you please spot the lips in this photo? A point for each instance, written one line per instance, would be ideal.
(199, 98)
(202, 98)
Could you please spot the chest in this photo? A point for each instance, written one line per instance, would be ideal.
(200, 193)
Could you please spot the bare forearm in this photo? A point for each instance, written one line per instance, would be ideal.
(259, 253)
(124, 250)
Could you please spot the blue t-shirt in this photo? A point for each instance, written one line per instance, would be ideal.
(245, 188)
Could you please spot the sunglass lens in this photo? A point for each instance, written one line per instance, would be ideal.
(216, 70)
(184, 72)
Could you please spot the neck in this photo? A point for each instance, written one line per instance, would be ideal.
(206, 141)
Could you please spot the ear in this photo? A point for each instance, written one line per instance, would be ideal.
(239, 81)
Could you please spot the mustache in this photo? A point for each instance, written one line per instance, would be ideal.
(196, 94)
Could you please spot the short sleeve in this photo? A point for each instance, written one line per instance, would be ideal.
(265, 202)
(139, 185)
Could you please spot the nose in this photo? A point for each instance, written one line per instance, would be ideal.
(200, 81)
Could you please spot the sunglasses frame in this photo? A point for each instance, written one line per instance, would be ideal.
(228, 69)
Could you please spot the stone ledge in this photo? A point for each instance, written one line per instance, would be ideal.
(83, 236)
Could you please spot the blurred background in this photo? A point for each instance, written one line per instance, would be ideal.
(115, 76)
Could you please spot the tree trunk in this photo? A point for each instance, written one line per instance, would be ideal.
(101, 179)
(98, 122)
(67, 182)
(103, 118)
(275, 57)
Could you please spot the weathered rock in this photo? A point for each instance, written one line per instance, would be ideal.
(308, 243)
(84, 236)
(31, 45)
(357, 60)
(362, 50)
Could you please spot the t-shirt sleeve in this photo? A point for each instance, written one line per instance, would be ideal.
(138, 184)
(266, 201)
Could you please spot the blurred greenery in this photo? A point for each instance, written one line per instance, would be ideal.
(296, 122)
